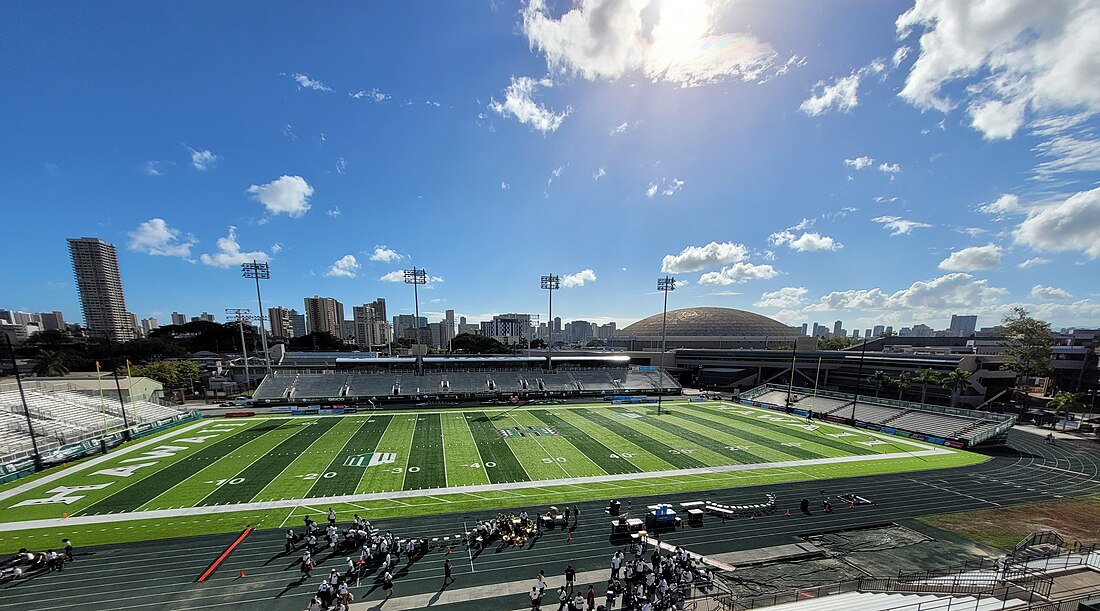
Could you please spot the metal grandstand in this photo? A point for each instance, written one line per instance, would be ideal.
(960, 428)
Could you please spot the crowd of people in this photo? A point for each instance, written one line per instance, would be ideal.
(663, 583)
(367, 549)
(25, 563)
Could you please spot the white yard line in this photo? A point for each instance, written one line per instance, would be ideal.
(393, 495)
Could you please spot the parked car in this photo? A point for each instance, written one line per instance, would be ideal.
(237, 402)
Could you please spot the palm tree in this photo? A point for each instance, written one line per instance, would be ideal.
(1064, 401)
(956, 381)
(902, 383)
(925, 377)
(51, 364)
(879, 378)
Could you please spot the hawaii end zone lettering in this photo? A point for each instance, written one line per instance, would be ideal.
(64, 494)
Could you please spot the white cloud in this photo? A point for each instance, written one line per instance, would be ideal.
(287, 195)
(899, 225)
(899, 55)
(1014, 56)
(578, 279)
(396, 275)
(841, 95)
(229, 252)
(519, 103)
(202, 160)
(1033, 262)
(305, 82)
(679, 43)
(788, 297)
(738, 272)
(341, 166)
(620, 128)
(955, 290)
(859, 162)
(807, 242)
(1049, 293)
(1005, 205)
(385, 254)
(889, 168)
(695, 258)
(665, 187)
(1071, 225)
(599, 173)
(374, 95)
(152, 168)
(973, 259)
(995, 119)
(345, 267)
(155, 237)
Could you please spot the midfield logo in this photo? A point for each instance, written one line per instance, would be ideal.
(370, 460)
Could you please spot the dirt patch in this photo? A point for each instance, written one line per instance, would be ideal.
(1074, 519)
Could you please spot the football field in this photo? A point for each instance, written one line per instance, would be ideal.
(435, 460)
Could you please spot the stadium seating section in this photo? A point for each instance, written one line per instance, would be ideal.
(362, 386)
(938, 424)
(61, 417)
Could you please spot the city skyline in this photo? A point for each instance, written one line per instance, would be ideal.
(828, 163)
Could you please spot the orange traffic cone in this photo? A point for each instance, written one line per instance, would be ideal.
(240, 574)
(788, 514)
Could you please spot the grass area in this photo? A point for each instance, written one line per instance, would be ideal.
(1074, 519)
(477, 505)
(226, 462)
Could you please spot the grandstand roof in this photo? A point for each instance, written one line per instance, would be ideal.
(710, 322)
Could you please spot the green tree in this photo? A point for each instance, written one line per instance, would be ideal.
(1028, 344)
(1064, 401)
(924, 377)
(478, 344)
(880, 379)
(172, 374)
(902, 383)
(51, 364)
(957, 382)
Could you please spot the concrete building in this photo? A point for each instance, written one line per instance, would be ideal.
(102, 301)
(324, 315)
(963, 326)
(148, 324)
(52, 321)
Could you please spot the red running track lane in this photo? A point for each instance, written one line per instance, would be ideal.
(210, 569)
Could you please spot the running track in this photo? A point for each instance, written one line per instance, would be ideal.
(160, 575)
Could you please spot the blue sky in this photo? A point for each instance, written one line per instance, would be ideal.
(875, 162)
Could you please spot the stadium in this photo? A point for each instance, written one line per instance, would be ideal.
(433, 447)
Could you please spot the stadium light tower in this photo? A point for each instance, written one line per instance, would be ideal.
(416, 277)
(550, 283)
(26, 410)
(665, 285)
(240, 315)
(260, 271)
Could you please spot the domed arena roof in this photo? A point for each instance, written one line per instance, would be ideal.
(710, 322)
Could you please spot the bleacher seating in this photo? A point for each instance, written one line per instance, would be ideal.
(61, 417)
(358, 385)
